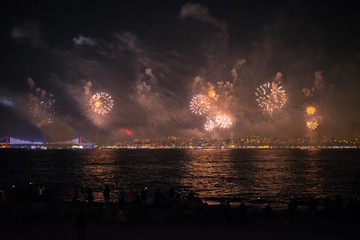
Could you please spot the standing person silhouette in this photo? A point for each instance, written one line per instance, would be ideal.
(74, 193)
(106, 194)
(90, 196)
(131, 194)
(81, 224)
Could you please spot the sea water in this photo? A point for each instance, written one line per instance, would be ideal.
(240, 175)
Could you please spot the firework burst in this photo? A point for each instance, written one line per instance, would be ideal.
(312, 125)
(101, 103)
(199, 104)
(209, 125)
(310, 110)
(42, 112)
(223, 121)
(271, 96)
(212, 93)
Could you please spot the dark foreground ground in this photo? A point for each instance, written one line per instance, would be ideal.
(188, 220)
(251, 231)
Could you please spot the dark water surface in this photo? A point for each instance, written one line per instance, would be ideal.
(240, 175)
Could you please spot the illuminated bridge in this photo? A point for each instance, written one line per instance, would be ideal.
(10, 141)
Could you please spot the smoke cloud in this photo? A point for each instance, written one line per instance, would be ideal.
(6, 101)
(200, 13)
(236, 68)
(278, 77)
(318, 81)
(81, 40)
(148, 72)
(29, 32)
(31, 83)
(87, 88)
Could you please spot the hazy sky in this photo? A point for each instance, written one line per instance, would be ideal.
(153, 57)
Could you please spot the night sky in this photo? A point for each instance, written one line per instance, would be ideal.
(152, 57)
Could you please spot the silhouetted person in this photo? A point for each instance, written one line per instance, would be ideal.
(74, 193)
(106, 194)
(157, 197)
(42, 193)
(3, 194)
(28, 192)
(82, 194)
(171, 197)
(81, 225)
(90, 196)
(268, 213)
(243, 213)
(47, 192)
(226, 213)
(143, 195)
(191, 195)
(258, 202)
(171, 192)
(177, 200)
(294, 201)
(357, 208)
(121, 200)
(131, 194)
(313, 205)
(138, 198)
(292, 208)
(327, 203)
(338, 201)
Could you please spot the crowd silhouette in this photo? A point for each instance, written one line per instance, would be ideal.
(186, 207)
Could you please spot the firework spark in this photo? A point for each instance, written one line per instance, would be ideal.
(271, 96)
(199, 104)
(223, 121)
(310, 110)
(101, 103)
(42, 112)
(211, 93)
(312, 125)
(209, 125)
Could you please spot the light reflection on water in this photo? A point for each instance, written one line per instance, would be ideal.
(241, 175)
(210, 173)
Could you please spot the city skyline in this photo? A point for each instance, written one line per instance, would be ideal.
(188, 143)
